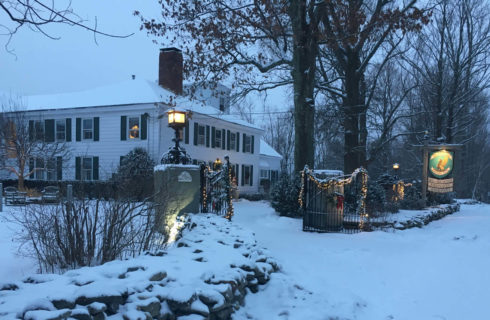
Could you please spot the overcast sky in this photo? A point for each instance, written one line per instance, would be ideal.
(40, 65)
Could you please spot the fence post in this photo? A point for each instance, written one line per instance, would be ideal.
(229, 209)
(1, 197)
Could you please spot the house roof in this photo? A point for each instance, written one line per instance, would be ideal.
(267, 150)
(125, 93)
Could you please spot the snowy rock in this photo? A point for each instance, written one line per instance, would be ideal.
(159, 276)
(81, 314)
(47, 315)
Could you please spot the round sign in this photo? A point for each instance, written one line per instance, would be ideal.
(441, 163)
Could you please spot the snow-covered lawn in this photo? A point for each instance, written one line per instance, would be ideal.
(441, 271)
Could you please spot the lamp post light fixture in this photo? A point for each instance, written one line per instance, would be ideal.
(396, 166)
(177, 120)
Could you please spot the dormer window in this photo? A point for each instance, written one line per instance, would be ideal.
(222, 104)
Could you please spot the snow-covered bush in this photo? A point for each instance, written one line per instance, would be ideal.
(412, 198)
(285, 195)
(85, 232)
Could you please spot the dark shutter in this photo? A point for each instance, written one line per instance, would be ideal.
(243, 142)
(78, 129)
(123, 128)
(228, 139)
(238, 142)
(144, 126)
(49, 130)
(31, 167)
(196, 132)
(78, 168)
(95, 168)
(252, 145)
(207, 136)
(31, 130)
(186, 133)
(96, 128)
(213, 137)
(223, 140)
(68, 129)
(59, 168)
(243, 175)
(251, 175)
(237, 168)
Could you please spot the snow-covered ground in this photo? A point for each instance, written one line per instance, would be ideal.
(441, 271)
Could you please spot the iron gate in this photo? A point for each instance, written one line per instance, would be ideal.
(216, 192)
(324, 206)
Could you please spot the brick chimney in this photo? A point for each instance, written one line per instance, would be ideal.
(170, 70)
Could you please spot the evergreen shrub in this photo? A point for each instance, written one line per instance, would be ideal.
(285, 195)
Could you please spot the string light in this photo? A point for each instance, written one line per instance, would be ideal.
(325, 185)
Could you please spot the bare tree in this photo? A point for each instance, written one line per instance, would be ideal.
(37, 14)
(23, 141)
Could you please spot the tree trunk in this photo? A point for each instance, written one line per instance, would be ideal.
(303, 74)
(355, 134)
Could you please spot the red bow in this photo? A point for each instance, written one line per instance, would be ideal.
(340, 202)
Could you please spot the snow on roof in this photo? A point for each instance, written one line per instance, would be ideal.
(125, 93)
(267, 150)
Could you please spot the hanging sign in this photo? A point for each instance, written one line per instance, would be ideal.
(441, 168)
(441, 164)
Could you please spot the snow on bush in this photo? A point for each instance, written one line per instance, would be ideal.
(206, 273)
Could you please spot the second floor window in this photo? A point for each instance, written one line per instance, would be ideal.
(88, 129)
(233, 141)
(201, 136)
(247, 144)
(61, 130)
(218, 138)
(134, 127)
(39, 130)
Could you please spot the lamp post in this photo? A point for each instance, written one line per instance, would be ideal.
(177, 121)
(396, 166)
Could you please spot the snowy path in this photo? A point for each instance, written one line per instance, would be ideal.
(441, 271)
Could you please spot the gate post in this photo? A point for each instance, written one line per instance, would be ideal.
(203, 195)
(229, 209)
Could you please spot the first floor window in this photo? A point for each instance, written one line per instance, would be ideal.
(88, 129)
(134, 127)
(61, 130)
(87, 168)
(51, 170)
(247, 175)
(40, 169)
(264, 174)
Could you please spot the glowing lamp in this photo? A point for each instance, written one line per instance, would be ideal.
(396, 166)
(176, 118)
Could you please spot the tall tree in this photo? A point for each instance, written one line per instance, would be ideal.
(356, 33)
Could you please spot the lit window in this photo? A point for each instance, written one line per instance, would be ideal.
(217, 138)
(134, 127)
(87, 168)
(88, 129)
(60, 130)
(201, 136)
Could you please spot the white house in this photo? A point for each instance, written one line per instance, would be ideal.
(101, 125)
